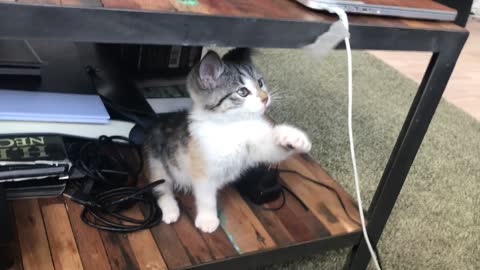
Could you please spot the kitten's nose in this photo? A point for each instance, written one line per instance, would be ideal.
(265, 99)
(263, 96)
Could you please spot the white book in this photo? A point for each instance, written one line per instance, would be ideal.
(51, 107)
(91, 131)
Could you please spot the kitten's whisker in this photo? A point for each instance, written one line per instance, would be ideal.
(280, 96)
(284, 94)
(273, 91)
(277, 91)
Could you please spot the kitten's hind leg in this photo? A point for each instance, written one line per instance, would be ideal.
(164, 192)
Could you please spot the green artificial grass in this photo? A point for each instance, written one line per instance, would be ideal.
(435, 223)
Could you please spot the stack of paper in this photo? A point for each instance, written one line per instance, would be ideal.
(52, 107)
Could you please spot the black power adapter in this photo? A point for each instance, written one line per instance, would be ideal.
(260, 184)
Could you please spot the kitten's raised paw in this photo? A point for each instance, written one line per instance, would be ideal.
(207, 223)
(292, 138)
(170, 210)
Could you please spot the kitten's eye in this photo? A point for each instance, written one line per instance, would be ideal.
(260, 82)
(243, 92)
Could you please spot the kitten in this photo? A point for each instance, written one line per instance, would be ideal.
(224, 134)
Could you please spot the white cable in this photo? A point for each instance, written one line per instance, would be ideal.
(343, 17)
(352, 152)
(354, 161)
(337, 32)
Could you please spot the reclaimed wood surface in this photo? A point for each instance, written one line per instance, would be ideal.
(32, 236)
(245, 231)
(51, 235)
(89, 243)
(218, 243)
(82, 3)
(62, 243)
(275, 9)
(143, 245)
(323, 203)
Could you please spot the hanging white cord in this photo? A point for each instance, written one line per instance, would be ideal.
(354, 161)
(343, 17)
(337, 32)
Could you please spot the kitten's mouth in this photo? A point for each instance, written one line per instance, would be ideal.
(262, 111)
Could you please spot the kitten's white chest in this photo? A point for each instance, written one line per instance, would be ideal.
(226, 146)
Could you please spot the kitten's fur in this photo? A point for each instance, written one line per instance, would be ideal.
(224, 134)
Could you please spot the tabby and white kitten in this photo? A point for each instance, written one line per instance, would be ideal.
(224, 134)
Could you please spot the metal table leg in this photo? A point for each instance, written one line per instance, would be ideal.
(408, 142)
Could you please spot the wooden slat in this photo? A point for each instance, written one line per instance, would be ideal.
(160, 5)
(143, 245)
(46, 2)
(272, 223)
(82, 3)
(173, 252)
(32, 235)
(204, 7)
(89, 243)
(60, 236)
(118, 249)
(241, 225)
(15, 247)
(191, 240)
(322, 202)
(309, 228)
(170, 246)
(319, 173)
(125, 4)
(250, 8)
(218, 242)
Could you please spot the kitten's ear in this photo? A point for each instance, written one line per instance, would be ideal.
(211, 67)
(239, 56)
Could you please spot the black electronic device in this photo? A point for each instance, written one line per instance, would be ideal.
(260, 184)
(40, 188)
(147, 61)
(17, 57)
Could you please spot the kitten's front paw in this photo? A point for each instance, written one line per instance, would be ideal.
(170, 210)
(207, 223)
(292, 138)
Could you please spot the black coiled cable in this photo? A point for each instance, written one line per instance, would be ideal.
(107, 168)
(104, 210)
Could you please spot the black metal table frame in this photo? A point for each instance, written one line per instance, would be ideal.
(142, 27)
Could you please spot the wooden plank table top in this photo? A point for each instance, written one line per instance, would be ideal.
(273, 9)
(51, 235)
(250, 23)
